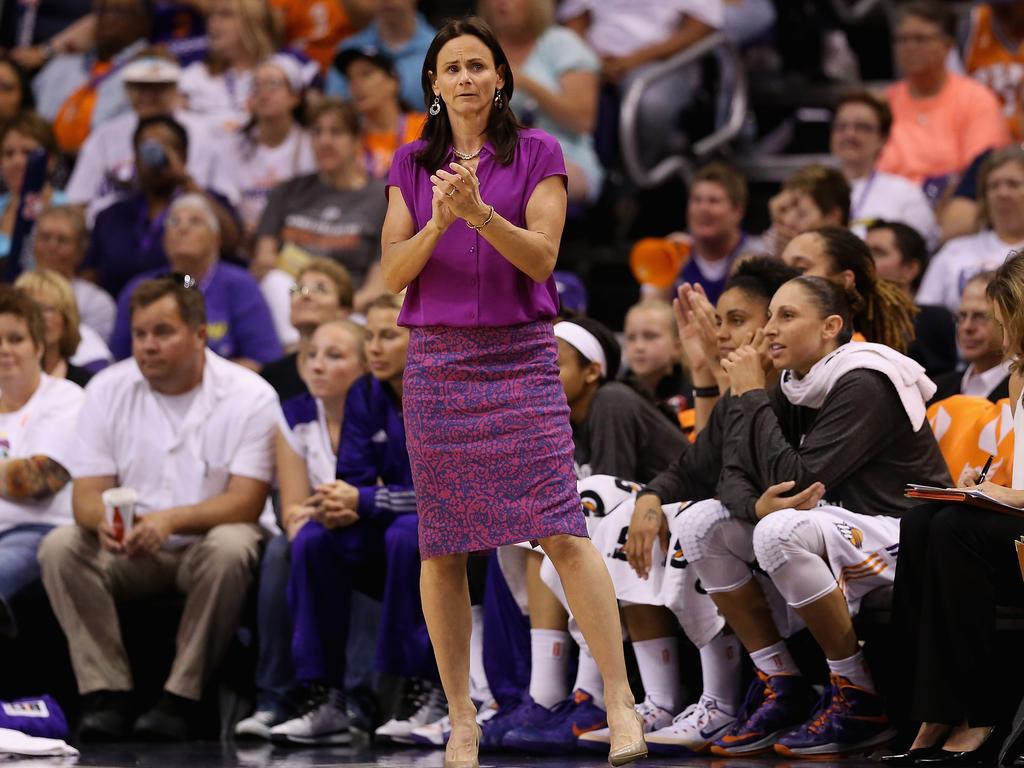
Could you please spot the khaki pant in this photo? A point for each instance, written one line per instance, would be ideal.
(83, 581)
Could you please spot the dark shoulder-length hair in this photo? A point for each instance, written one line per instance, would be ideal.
(502, 125)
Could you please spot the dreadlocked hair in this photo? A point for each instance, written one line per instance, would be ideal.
(887, 313)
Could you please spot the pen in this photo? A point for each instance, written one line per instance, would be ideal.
(984, 470)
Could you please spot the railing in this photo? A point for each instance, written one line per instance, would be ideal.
(731, 67)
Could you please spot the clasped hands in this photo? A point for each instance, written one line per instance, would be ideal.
(333, 505)
(147, 536)
(456, 195)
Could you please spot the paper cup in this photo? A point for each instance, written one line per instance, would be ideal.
(120, 504)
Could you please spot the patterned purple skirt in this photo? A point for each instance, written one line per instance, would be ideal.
(489, 440)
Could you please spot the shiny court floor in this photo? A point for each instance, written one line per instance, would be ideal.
(214, 755)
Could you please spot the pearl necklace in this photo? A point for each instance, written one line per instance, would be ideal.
(466, 156)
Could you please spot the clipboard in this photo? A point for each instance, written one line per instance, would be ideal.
(968, 496)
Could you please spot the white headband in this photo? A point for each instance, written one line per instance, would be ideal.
(584, 341)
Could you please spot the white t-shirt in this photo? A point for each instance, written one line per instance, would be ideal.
(91, 348)
(125, 432)
(621, 27)
(957, 262)
(893, 198)
(96, 308)
(304, 427)
(276, 287)
(107, 160)
(246, 172)
(223, 98)
(44, 426)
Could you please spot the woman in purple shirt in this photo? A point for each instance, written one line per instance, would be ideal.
(475, 215)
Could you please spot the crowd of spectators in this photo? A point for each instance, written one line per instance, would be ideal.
(191, 203)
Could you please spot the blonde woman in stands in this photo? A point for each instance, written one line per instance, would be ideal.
(557, 79)
(1001, 209)
(241, 35)
(956, 566)
(66, 339)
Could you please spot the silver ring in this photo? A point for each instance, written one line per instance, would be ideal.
(453, 191)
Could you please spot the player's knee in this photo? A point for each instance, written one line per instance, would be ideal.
(697, 527)
(782, 535)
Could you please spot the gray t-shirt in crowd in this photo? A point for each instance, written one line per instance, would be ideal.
(343, 224)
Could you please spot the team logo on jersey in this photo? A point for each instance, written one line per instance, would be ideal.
(853, 535)
(678, 560)
(593, 504)
(5, 448)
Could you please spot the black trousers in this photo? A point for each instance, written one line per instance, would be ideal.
(956, 563)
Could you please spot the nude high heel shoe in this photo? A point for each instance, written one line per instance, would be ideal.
(627, 754)
(473, 762)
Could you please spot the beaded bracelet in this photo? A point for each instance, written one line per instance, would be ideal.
(485, 222)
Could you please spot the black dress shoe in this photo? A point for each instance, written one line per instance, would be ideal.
(985, 754)
(105, 716)
(170, 720)
(911, 756)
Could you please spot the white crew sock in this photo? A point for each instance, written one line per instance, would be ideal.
(549, 657)
(658, 660)
(588, 677)
(775, 660)
(721, 670)
(479, 688)
(855, 669)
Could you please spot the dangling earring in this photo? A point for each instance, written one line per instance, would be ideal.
(499, 100)
(435, 108)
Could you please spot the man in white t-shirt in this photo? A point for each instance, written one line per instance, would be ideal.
(37, 427)
(106, 163)
(192, 434)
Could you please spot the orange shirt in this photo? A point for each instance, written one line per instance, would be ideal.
(315, 27)
(380, 148)
(940, 135)
(988, 60)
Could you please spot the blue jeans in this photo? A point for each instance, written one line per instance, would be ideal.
(18, 568)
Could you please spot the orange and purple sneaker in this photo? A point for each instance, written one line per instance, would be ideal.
(773, 707)
(559, 734)
(849, 720)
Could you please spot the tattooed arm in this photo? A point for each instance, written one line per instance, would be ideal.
(31, 479)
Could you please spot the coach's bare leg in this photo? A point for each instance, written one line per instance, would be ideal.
(591, 596)
(444, 590)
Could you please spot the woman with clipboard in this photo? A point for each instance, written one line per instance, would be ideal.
(956, 565)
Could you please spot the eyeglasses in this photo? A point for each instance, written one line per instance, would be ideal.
(309, 290)
(269, 83)
(184, 279)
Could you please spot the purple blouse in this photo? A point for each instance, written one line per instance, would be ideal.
(467, 282)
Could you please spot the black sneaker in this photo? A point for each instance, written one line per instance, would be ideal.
(170, 720)
(106, 716)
